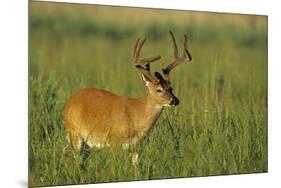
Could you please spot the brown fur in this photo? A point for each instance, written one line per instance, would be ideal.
(101, 117)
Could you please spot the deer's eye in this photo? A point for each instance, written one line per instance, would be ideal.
(159, 90)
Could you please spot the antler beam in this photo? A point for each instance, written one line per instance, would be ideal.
(186, 57)
(139, 62)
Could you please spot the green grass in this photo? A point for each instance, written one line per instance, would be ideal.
(220, 126)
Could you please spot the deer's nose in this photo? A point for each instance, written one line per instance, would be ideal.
(175, 101)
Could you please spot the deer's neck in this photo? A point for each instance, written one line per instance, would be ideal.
(147, 115)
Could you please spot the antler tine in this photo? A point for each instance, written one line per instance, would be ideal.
(138, 62)
(140, 47)
(176, 54)
(186, 53)
(135, 47)
(136, 54)
(178, 60)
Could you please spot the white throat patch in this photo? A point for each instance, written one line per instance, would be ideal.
(159, 107)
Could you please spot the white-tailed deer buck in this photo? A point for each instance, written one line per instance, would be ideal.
(100, 118)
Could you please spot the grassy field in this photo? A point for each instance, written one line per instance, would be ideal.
(220, 126)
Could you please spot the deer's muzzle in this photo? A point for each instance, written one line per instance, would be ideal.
(175, 101)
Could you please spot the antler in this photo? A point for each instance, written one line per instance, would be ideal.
(186, 57)
(138, 62)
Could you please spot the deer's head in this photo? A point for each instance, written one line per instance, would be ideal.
(159, 86)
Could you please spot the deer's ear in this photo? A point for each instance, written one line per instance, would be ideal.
(159, 76)
(146, 79)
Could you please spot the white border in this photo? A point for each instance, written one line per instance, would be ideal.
(13, 92)
(232, 6)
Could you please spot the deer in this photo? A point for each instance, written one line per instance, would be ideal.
(100, 118)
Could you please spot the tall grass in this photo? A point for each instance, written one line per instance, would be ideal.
(220, 126)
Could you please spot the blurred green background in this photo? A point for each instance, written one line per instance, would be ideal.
(220, 126)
